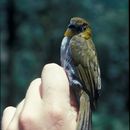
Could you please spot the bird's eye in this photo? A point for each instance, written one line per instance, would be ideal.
(84, 26)
(79, 28)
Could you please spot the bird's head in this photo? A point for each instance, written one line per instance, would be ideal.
(76, 26)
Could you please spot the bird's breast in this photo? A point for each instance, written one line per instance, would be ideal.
(63, 50)
(64, 43)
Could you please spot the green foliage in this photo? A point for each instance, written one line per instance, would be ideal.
(31, 33)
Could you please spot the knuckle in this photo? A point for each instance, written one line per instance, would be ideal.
(26, 121)
(57, 116)
(56, 113)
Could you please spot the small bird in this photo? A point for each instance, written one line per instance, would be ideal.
(79, 59)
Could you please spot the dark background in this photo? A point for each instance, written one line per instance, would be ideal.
(31, 32)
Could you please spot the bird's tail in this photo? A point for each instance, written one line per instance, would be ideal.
(85, 116)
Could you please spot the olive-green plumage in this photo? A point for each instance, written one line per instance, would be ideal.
(82, 67)
(85, 59)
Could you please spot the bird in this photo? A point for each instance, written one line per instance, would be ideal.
(79, 59)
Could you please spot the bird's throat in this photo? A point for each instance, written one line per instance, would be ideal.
(87, 34)
(69, 33)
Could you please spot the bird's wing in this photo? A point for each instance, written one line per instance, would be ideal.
(85, 59)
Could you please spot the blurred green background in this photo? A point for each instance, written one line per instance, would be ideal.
(31, 33)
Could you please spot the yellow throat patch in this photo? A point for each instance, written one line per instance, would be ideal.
(85, 34)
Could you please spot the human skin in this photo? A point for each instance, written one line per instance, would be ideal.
(48, 104)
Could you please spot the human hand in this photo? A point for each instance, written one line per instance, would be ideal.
(48, 104)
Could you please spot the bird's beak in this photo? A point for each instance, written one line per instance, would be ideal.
(71, 26)
(70, 30)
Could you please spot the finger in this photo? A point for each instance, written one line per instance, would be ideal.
(7, 116)
(33, 92)
(32, 98)
(32, 106)
(56, 96)
(13, 124)
(55, 85)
